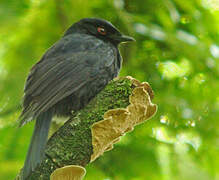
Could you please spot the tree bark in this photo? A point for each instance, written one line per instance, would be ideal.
(74, 144)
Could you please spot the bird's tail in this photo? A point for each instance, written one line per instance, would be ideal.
(38, 142)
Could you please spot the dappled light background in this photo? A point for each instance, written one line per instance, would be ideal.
(176, 51)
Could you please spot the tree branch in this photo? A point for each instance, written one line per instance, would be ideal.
(122, 104)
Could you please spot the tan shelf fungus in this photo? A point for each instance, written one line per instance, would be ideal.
(117, 122)
(71, 172)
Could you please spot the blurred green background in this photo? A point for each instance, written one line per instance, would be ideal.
(177, 52)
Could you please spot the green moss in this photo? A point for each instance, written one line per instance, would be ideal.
(72, 143)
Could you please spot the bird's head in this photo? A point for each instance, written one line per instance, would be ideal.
(100, 28)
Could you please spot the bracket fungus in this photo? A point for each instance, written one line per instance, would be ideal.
(117, 122)
(71, 172)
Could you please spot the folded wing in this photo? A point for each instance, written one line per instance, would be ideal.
(56, 77)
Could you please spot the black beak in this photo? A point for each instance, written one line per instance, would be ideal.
(122, 38)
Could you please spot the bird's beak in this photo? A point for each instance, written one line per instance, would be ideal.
(124, 38)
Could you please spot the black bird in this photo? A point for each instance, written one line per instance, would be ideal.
(73, 71)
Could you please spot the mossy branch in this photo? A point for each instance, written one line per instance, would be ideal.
(121, 105)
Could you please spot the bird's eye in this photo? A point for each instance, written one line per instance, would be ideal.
(101, 30)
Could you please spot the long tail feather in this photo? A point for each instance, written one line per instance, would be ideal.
(38, 142)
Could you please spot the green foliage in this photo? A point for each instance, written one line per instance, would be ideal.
(177, 52)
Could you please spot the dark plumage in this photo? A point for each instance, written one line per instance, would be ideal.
(67, 77)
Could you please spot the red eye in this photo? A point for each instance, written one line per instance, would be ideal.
(101, 30)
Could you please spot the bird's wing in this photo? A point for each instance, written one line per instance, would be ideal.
(56, 77)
